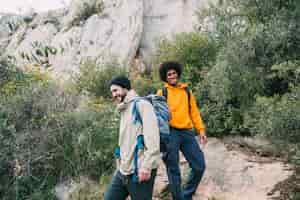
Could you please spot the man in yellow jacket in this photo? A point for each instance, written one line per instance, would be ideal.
(185, 116)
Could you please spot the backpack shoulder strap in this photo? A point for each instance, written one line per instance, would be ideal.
(135, 112)
(140, 139)
(137, 118)
(188, 92)
(165, 92)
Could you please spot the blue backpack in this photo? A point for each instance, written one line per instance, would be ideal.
(162, 113)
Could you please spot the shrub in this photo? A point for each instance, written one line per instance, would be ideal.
(257, 57)
(85, 143)
(61, 146)
(145, 85)
(276, 117)
(9, 73)
(94, 79)
(45, 138)
(195, 51)
(227, 90)
(284, 76)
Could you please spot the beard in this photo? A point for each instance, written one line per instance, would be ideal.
(120, 98)
(123, 97)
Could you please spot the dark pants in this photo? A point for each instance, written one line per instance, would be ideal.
(185, 141)
(122, 186)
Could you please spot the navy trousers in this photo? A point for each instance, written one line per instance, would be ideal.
(185, 141)
(123, 186)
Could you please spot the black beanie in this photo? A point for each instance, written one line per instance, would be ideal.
(121, 81)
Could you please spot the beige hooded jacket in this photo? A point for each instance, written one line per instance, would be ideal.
(150, 156)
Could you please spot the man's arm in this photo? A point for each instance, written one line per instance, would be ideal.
(151, 136)
(196, 119)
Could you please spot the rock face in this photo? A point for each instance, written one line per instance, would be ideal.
(101, 30)
(114, 33)
(8, 26)
(165, 18)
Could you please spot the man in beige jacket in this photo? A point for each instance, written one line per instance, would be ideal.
(136, 166)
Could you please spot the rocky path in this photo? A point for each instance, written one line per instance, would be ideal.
(232, 174)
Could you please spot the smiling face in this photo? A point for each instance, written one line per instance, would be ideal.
(172, 77)
(118, 93)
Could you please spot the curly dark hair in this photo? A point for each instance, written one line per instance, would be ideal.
(166, 66)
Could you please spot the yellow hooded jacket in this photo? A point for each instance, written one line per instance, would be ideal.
(181, 117)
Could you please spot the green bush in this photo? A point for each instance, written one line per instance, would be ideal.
(9, 73)
(227, 90)
(286, 75)
(145, 85)
(257, 56)
(33, 104)
(195, 51)
(217, 118)
(23, 115)
(49, 138)
(83, 143)
(94, 79)
(276, 117)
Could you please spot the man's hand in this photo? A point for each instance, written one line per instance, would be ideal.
(202, 139)
(144, 174)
